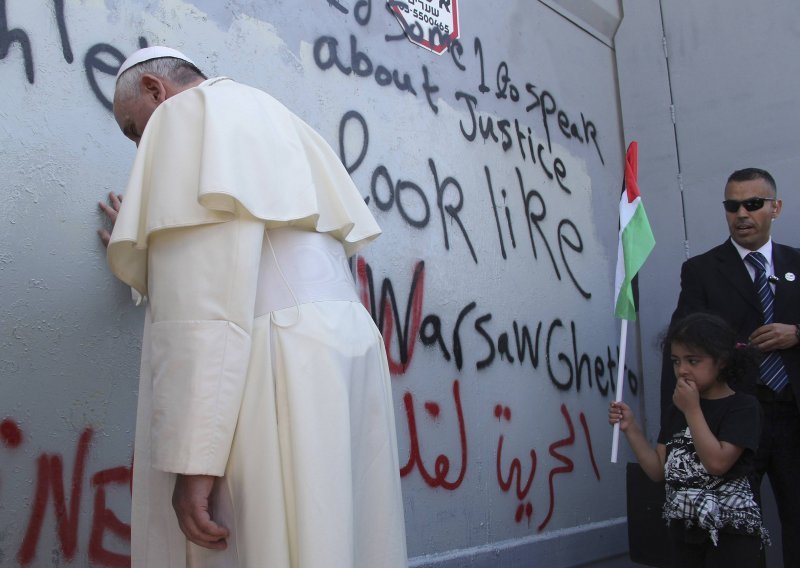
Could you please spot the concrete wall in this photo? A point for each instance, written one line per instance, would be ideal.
(721, 100)
(495, 172)
(707, 88)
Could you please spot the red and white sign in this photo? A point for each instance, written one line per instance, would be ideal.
(432, 24)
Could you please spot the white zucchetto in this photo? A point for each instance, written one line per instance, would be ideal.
(148, 53)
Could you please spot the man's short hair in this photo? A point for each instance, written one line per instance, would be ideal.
(750, 174)
(176, 70)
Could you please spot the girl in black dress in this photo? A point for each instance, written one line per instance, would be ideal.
(705, 449)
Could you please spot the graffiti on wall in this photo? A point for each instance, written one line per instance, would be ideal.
(521, 219)
(403, 325)
(523, 223)
(556, 239)
(400, 333)
(62, 495)
(95, 60)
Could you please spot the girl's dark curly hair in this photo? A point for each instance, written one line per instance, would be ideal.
(713, 335)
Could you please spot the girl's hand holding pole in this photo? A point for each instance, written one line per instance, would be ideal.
(619, 412)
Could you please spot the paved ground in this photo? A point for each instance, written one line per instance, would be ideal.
(617, 562)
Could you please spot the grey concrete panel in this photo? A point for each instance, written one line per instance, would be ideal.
(645, 99)
(736, 78)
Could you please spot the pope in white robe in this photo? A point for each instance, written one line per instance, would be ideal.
(259, 365)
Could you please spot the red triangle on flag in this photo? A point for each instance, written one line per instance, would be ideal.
(631, 171)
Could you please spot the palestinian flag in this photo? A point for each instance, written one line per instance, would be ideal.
(635, 239)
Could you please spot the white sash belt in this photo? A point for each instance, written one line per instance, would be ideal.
(298, 267)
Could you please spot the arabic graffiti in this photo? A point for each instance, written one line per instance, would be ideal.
(522, 487)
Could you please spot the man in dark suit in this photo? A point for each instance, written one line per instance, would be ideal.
(754, 283)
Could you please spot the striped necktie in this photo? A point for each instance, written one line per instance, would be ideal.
(773, 373)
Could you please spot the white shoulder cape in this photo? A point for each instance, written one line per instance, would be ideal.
(222, 146)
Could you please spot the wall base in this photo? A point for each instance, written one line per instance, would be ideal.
(566, 548)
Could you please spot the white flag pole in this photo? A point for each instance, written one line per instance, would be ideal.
(623, 338)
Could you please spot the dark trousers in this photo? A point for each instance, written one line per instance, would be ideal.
(732, 550)
(779, 457)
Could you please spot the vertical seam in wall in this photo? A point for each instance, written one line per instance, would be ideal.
(679, 175)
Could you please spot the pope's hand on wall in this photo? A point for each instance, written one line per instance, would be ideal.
(111, 209)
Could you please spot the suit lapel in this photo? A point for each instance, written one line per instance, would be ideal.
(733, 270)
(785, 290)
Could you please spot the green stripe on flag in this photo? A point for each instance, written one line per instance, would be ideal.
(637, 242)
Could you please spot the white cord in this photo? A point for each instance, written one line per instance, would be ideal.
(296, 303)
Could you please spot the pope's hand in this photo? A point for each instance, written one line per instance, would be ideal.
(111, 209)
(190, 501)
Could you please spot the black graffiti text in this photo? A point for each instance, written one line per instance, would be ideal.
(390, 192)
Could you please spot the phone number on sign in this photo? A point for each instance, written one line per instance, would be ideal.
(428, 14)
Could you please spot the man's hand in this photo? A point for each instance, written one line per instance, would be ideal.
(686, 396)
(190, 501)
(111, 209)
(774, 336)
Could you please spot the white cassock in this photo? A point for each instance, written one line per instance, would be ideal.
(259, 364)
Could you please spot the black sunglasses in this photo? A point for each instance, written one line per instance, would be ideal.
(752, 204)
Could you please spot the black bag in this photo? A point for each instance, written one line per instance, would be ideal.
(648, 533)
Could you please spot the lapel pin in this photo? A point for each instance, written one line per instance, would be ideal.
(789, 276)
